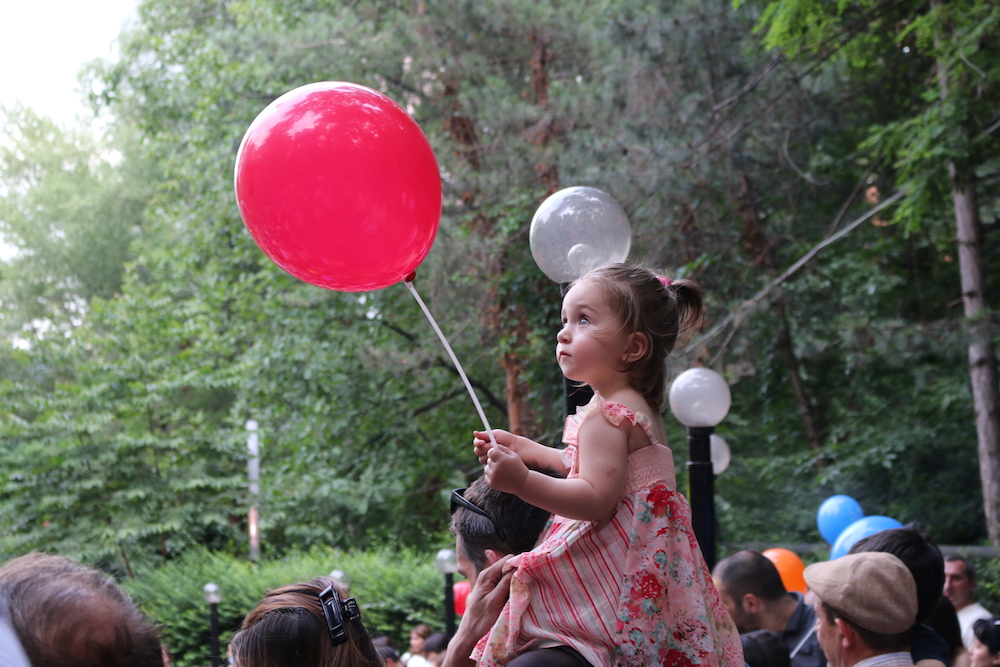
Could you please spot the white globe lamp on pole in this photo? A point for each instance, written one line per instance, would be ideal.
(700, 399)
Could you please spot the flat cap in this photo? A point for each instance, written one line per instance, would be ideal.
(874, 590)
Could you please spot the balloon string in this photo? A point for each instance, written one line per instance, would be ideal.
(454, 360)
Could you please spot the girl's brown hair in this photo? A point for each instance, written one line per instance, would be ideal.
(661, 309)
(288, 629)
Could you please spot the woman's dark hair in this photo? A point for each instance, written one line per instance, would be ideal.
(920, 556)
(988, 633)
(287, 628)
(944, 620)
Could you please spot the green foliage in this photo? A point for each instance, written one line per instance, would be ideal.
(395, 590)
(988, 581)
(121, 439)
(72, 215)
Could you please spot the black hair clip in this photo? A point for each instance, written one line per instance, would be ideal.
(334, 609)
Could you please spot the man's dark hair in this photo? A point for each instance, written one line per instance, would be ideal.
(520, 523)
(763, 648)
(69, 615)
(970, 569)
(920, 556)
(387, 653)
(876, 641)
(750, 571)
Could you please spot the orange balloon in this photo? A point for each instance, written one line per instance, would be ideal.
(790, 567)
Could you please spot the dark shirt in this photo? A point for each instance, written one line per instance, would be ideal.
(801, 626)
(927, 644)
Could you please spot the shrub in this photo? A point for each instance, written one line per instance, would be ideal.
(395, 590)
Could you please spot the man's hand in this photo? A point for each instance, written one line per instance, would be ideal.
(482, 608)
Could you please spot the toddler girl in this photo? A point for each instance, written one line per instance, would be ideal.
(619, 576)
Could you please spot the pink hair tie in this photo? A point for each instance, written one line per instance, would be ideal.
(666, 282)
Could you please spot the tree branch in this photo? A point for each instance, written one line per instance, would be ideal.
(741, 311)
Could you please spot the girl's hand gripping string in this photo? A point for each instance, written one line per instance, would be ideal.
(505, 471)
(534, 454)
(482, 445)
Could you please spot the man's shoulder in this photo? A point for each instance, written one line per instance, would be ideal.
(802, 619)
(800, 638)
(973, 611)
(899, 659)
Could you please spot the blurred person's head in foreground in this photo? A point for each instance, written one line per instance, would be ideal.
(309, 624)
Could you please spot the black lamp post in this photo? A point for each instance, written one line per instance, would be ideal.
(447, 564)
(700, 399)
(213, 596)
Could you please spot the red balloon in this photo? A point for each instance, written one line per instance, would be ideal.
(461, 590)
(339, 187)
(790, 568)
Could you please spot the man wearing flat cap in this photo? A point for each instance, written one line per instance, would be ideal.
(867, 603)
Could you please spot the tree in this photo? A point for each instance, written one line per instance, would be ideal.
(734, 164)
(70, 213)
(941, 140)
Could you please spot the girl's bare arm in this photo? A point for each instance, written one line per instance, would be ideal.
(591, 496)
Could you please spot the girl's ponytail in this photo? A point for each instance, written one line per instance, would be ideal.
(690, 308)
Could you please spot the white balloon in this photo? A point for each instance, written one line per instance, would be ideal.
(578, 229)
(721, 456)
(700, 397)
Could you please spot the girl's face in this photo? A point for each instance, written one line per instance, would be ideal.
(980, 655)
(591, 345)
(416, 643)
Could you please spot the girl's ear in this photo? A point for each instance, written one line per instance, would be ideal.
(636, 347)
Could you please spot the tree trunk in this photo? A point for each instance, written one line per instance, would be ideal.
(982, 355)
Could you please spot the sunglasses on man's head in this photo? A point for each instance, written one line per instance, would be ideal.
(458, 500)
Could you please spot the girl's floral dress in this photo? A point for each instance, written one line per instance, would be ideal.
(631, 589)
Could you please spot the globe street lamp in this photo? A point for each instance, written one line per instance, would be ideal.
(700, 399)
(213, 596)
(342, 579)
(447, 563)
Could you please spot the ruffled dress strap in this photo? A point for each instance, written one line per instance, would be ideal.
(615, 413)
(647, 466)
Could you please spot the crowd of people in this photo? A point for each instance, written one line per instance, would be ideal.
(875, 607)
(576, 557)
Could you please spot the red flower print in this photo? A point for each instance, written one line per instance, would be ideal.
(659, 498)
(675, 658)
(648, 587)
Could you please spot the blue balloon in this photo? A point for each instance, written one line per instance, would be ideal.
(835, 514)
(869, 525)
